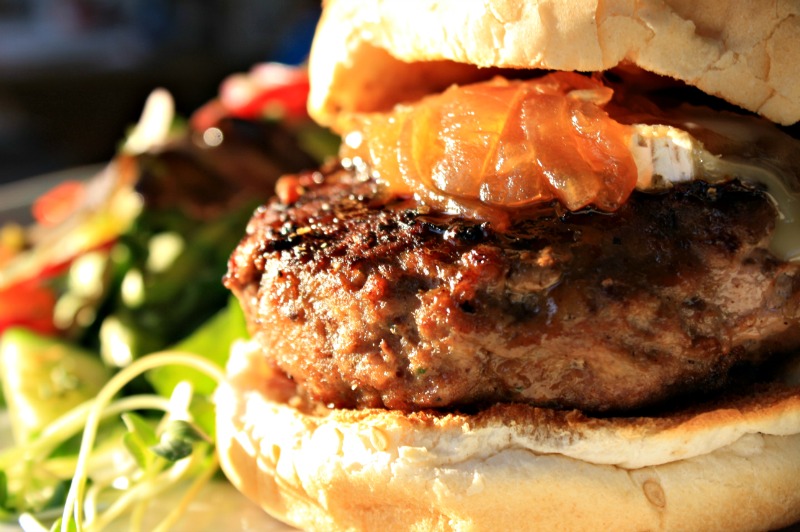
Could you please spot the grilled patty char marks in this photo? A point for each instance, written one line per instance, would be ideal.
(365, 300)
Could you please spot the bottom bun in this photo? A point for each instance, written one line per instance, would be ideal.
(731, 466)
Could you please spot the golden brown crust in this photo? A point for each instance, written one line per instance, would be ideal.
(744, 52)
(731, 468)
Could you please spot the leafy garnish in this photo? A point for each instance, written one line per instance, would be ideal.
(178, 439)
(139, 438)
(213, 340)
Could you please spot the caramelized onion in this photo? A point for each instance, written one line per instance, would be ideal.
(503, 145)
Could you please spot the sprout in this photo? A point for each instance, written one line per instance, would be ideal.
(178, 440)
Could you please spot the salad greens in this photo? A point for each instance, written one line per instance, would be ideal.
(161, 451)
(116, 326)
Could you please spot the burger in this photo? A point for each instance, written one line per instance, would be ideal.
(551, 281)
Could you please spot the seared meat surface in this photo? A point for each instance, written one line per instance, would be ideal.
(366, 300)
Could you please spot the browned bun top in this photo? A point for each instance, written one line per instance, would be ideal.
(734, 465)
(367, 56)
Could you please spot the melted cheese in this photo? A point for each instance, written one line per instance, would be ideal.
(666, 155)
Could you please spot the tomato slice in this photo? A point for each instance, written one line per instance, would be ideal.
(287, 100)
(269, 89)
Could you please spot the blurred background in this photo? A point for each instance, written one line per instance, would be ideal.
(74, 74)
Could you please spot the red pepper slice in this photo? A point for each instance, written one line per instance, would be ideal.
(28, 304)
(55, 205)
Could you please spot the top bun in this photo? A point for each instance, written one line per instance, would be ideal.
(741, 51)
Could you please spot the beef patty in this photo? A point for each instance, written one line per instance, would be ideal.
(367, 300)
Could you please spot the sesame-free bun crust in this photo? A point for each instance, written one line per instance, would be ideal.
(369, 55)
(732, 466)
